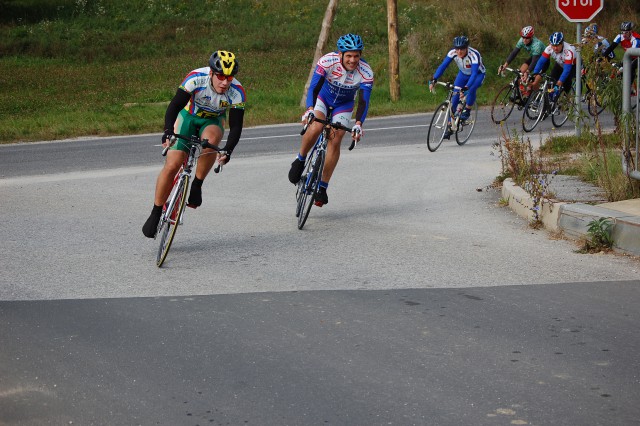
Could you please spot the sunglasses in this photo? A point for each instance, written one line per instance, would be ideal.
(223, 77)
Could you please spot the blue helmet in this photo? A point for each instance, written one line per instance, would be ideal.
(556, 38)
(460, 42)
(591, 30)
(350, 42)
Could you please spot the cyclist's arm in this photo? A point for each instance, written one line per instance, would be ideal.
(512, 56)
(314, 88)
(236, 120)
(363, 103)
(610, 49)
(179, 101)
(443, 66)
(474, 74)
(534, 62)
(541, 63)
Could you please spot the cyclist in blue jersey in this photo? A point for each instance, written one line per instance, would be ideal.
(199, 108)
(339, 78)
(599, 43)
(470, 75)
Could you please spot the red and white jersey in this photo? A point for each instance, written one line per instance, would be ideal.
(628, 41)
(566, 57)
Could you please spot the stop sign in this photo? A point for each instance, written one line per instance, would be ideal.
(579, 10)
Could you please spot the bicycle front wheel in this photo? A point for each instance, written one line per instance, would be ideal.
(171, 218)
(562, 109)
(533, 110)
(309, 189)
(465, 128)
(438, 126)
(503, 104)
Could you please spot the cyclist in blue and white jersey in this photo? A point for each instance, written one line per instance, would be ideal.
(199, 108)
(338, 78)
(564, 69)
(600, 44)
(470, 75)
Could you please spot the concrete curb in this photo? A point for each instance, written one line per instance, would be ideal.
(573, 219)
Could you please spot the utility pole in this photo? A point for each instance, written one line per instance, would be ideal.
(322, 42)
(394, 54)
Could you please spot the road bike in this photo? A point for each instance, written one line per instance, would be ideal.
(309, 183)
(546, 102)
(173, 210)
(444, 118)
(512, 95)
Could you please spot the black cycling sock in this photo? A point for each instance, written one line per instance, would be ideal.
(197, 182)
(156, 209)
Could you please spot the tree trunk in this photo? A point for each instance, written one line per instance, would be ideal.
(322, 42)
(394, 54)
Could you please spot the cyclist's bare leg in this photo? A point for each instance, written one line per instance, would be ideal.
(164, 183)
(208, 156)
(333, 155)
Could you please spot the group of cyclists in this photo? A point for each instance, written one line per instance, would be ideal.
(564, 54)
(206, 95)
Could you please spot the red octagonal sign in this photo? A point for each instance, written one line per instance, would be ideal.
(579, 10)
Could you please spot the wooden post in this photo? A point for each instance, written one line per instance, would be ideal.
(394, 54)
(322, 42)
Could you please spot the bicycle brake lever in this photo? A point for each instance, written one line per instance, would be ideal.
(166, 148)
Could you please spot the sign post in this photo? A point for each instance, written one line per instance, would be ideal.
(579, 11)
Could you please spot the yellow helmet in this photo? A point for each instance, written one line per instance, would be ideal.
(223, 62)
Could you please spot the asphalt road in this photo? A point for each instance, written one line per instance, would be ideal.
(411, 298)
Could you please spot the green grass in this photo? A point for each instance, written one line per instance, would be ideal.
(92, 67)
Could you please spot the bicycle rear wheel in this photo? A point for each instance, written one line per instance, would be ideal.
(562, 109)
(309, 189)
(503, 103)
(171, 218)
(533, 110)
(438, 126)
(465, 128)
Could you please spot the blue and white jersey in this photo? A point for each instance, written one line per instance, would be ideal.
(205, 101)
(339, 85)
(465, 63)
